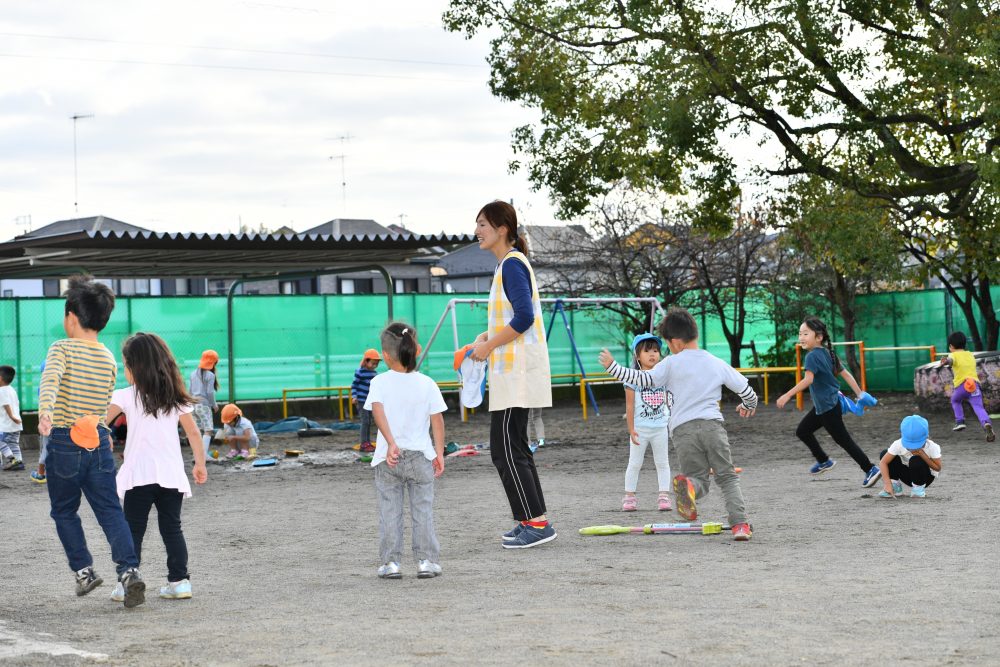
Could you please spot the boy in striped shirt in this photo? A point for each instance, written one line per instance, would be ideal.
(76, 388)
(359, 394)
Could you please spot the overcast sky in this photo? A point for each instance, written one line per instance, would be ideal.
(209, 112)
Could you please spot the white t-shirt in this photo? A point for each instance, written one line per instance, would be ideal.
(932, 448)
(409, 400)
(152, 447)
(9, 397)
(244, 427)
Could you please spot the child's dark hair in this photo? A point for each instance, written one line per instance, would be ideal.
(7, 374)
(958, 340)
(679, 325)
(158, 382)
(202, 371)
(91, 302)
(399, 340)
(501, 214)
(646, 344)
(820, 329)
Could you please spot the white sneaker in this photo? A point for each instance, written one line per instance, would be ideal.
(118, 595)
(176, 590)
(427, 569)
(389, 571)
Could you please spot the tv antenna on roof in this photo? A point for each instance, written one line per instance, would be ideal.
(76, 190)
(343, 168)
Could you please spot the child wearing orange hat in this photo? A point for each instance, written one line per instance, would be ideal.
(239, 433)
(202, 386)
(359, 393)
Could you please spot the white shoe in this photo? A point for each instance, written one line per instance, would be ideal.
(176, 590)
(118, 595)
(389, 571)
(427, 569)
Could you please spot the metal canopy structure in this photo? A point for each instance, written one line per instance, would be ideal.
(111, 254)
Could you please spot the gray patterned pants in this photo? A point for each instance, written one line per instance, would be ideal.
(415, 475)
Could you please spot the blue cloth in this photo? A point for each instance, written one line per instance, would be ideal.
(865, 400)
(362, 381)
(73, 471)
(825, 388)
(517, 288)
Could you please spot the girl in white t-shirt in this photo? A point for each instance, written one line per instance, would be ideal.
(914, 460)
(406, 406)
(153, 471)
(647, 410)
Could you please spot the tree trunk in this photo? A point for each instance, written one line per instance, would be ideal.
(843, 294)
(985, 302)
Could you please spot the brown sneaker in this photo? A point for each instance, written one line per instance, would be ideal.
(684, 493)
(990, 435)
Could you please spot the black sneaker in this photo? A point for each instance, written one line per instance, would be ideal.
(959, 426)
(135, 587)
(990, 434)
(531, 537)
(87, 580)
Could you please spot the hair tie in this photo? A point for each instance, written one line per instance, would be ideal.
(403, 332)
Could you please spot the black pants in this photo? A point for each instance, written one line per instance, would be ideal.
(916, 472)
(138, 501)
(515, 462)
(833, 422)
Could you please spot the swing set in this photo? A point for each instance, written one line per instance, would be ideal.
(558, 309)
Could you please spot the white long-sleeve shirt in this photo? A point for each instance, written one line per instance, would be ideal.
(695, 378)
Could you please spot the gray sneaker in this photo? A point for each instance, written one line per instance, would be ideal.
(87, 580)
(389, 571)
(427, 569)
(135, 587)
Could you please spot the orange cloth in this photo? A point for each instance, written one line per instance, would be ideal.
(84, 432)
(970, 385)
(460, 355)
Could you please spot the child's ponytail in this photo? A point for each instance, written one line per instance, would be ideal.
(399, 340)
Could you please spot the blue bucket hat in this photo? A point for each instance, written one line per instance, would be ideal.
(646, 336)
(914, 430)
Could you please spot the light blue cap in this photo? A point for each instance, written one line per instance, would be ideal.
(646, 336)
(914, 430)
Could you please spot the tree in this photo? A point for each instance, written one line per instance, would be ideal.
(895, 100)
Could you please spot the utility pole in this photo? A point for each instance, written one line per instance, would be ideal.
(76, 189)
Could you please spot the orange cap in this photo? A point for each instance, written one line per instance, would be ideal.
(460, 355)
(970, 385)
(371, 353)
(84, 432)
(209, 358)
(230, 412)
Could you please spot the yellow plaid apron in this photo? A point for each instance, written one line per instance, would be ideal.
(519, 374)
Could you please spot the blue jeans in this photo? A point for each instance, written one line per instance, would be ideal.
(72, 471)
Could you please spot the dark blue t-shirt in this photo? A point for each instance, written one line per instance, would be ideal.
(825, 386)
(517, 287)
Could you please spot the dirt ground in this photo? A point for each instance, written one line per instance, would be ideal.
(283, 564)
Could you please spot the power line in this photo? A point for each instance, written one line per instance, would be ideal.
(229, 49)
(241, 68)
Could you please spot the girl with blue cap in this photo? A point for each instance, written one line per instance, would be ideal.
(914, 460)
(647, 411)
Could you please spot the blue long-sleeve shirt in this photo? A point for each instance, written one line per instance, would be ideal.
(517, 288)
(362, 381)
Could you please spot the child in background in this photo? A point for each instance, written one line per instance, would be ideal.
(77, 384)
(203, 385)
(647, 412)
(914, 460)
(407, 407)
(10, 421)
(966, 385)
(359, 394)
(821, 370)
(536, 426)
(239, 433)
(696, 378)
(153, 471)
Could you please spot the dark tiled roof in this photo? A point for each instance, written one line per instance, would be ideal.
(94, 223)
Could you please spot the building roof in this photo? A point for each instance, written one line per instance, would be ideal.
(93, 223)
(349, 227)
(113, 254)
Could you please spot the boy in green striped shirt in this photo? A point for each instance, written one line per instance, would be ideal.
(76, 388)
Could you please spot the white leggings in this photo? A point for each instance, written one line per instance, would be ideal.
(636, 453)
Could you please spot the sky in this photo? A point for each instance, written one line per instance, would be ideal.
(211, 114)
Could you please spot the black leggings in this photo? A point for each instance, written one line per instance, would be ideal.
(515, 462)
(916, 472)
(138, 501)
(833, 422)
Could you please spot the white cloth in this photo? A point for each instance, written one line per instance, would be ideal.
(932, 448)
(695, 378)
(152, 447)
(473, 374)
(657, 440)
(9, 397)
(409, 400)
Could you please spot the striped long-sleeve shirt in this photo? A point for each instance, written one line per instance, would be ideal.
(695, 378)
(362, 381)
(78, 380)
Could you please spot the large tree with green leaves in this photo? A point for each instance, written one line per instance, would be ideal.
(895, 100)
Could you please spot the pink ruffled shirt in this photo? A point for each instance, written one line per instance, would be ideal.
(152, 447)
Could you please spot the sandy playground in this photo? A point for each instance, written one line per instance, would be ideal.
(283, 564)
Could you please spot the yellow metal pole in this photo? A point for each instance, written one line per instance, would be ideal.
(765, 388)
(933, 352)
(864, 374)
(583, 397)
(798, 374)
(284, 404)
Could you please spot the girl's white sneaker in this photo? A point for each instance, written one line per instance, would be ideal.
(176, 590)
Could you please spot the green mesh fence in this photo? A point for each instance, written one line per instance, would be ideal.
(317, 340)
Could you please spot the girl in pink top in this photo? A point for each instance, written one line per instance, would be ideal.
(153, 471)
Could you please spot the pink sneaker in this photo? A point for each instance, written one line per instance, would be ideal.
(630, 504)
(663, 504)
(232, 453)
(244, 454)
